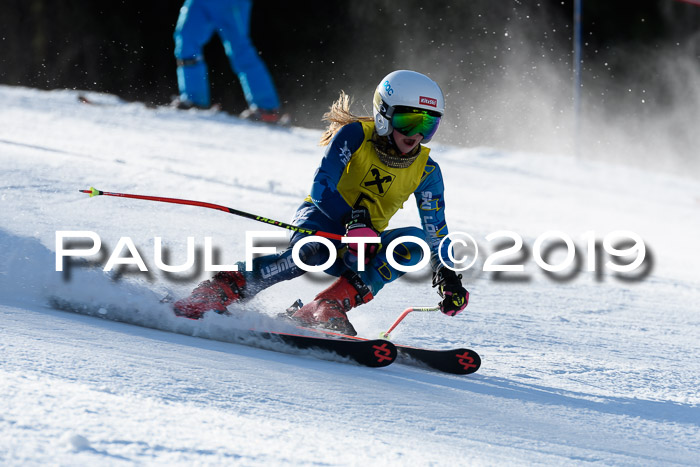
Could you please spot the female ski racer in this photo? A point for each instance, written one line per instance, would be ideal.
(371, 167)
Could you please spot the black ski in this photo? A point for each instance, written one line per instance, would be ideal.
(458, 361)
(373, 353)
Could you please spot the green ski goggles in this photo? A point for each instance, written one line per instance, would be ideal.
(409, 121)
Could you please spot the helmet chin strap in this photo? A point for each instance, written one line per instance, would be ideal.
(393, 143)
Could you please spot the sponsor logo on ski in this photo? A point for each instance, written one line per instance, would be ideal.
(382, 353)
(466, 360)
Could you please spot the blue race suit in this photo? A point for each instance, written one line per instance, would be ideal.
(198, 21)
(326, 208)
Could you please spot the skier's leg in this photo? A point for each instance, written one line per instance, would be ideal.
(227, 287)
(255, 79)
(193, 31)
(329, 308)
(379, 272)
(352, 289)
(271, 269)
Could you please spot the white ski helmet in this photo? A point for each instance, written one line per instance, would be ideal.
(406, 89)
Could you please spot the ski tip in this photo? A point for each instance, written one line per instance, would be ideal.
(92, 192)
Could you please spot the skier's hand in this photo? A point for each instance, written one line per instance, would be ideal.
(454, 296)
(359, 224)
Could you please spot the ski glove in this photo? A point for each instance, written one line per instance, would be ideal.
(359, 224)
(454, 296)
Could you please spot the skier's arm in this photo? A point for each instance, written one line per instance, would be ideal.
(430, 200)
(430, 197)
(324, 190)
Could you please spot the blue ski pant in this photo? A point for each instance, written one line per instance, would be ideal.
(230, 19)
(271, 269)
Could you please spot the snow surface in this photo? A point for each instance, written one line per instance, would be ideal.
(589, 370)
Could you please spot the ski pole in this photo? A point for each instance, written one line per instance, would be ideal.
(408, 310)
(95, 192)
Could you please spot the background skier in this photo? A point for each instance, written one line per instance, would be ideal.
(230, 19)
(371, 167)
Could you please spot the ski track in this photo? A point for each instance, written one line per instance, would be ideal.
(591, 370)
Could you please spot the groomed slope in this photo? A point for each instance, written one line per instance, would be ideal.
(592, 369)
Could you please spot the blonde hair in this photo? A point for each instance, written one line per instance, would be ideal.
(338, 116)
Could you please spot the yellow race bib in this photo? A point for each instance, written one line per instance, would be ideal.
(367, 181)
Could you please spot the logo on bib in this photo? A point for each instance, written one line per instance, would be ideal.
(378, 181)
